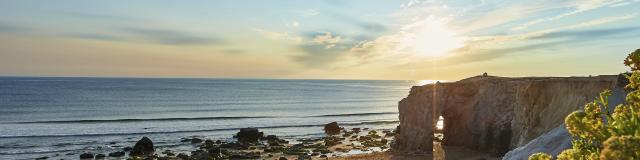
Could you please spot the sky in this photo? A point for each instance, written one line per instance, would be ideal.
(317, 39)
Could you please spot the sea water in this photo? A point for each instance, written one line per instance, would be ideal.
(64, 117)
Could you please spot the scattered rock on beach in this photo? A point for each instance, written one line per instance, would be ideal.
(100, 156)
(271, 138)
(207, 144)
(249, 135)
(331, 141)
(196, 140)
(304, 157)
(168, 153)
(143, 147)
(332, 128)
(116, 154)
(86, 156)
(234, 145)
(215, 152)
(199, 154)
(183, 156)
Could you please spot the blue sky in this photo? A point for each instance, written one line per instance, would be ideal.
(318, 39)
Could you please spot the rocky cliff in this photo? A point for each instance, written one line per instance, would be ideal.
(493, 114)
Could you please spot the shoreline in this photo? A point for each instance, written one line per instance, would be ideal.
(347, 142)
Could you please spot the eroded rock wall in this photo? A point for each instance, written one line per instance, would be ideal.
(492, 114)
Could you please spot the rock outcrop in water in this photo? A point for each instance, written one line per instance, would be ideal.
(143, 147)
(332, 128)
(495, 114)
(249, 135)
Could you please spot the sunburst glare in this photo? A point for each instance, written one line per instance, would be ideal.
(432, 38)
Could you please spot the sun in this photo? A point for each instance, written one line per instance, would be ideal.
(432, 38)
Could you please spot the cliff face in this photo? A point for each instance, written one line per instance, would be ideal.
(492, 114)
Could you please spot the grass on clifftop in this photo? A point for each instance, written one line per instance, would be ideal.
(599, 134)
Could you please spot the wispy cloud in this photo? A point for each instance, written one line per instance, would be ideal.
(317, 56)
(158, 36)
(278, 35)
(363, 24)
(326, 39)
(294, 24)
(490, 46)
(172, 37)
(96, 16)
(585, 35)
(310, 12)
(102, 37)
(578, 6)
(322, 49)
(234, 51)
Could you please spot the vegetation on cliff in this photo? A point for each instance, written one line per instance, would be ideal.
(599, 133)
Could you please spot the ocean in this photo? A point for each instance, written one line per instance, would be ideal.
(64, 117)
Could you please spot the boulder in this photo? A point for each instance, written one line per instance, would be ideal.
(332, 128)
(271, 138)
(215, 152)
(207, 144)
(143, 147)
(183, 156)
(86, 156)
(168, 153)
(304, 157)
(196, 140)
(100, 156)
(249, 135)
(116, 154)
(199, 155)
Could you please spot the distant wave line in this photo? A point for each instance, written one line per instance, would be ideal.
(197, 118)
(356, 114)
(202, 130)
(141, 119)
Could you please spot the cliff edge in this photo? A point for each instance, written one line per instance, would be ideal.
(494, 114)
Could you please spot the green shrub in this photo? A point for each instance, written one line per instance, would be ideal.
(540, 156)
(599, 134)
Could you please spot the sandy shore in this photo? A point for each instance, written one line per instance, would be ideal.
(440, 153)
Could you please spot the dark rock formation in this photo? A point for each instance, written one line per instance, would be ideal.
(332, 128)
(116, 154)
(183, 156)
(196, 140)
(249, 135)
(86, 156)
(143, 147)
(199, 155)
(215, 152)
(492, 114)
(100, 156)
